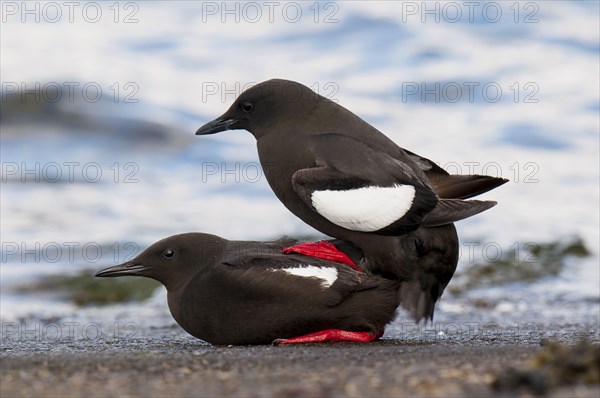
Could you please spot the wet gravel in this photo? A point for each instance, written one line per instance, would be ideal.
(165, 361)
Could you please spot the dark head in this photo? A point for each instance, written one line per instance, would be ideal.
(265, 105)
(173, 260)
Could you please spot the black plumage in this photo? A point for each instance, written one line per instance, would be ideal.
(321, 160)
(240, 292)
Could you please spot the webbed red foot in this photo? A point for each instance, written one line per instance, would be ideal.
(331, 335)
(324, 250)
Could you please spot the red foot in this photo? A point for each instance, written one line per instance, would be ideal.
(324, 250)
(331, 335)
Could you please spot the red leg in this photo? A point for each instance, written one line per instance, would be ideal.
(331, 335)
(324, 250)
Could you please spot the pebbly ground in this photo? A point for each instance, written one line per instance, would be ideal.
(164, 361)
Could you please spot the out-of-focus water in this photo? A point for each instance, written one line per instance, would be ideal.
(89, 183)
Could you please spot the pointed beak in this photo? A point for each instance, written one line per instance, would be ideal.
(128, 268)
(220, 124)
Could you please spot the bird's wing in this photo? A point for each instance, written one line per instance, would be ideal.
(361, 189)
(283, 277)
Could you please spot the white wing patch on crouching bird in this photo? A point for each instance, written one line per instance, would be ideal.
(364, 209)
(328, 275)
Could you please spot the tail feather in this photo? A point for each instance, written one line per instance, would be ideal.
(451, 210)
(455, 186)
(414, 298)
(463, 186)
(436, 255)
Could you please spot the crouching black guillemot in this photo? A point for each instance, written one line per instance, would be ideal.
(239, 292)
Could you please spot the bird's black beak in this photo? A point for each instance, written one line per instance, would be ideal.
(128, 268)
(222, 123)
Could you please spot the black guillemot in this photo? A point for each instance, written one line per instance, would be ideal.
(241, 292)
(343, 177)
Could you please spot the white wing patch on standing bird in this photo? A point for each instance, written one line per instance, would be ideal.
(327, 275)
(364, 209)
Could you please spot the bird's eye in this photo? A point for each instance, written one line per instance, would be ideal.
(168, 253)
(247, 106)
